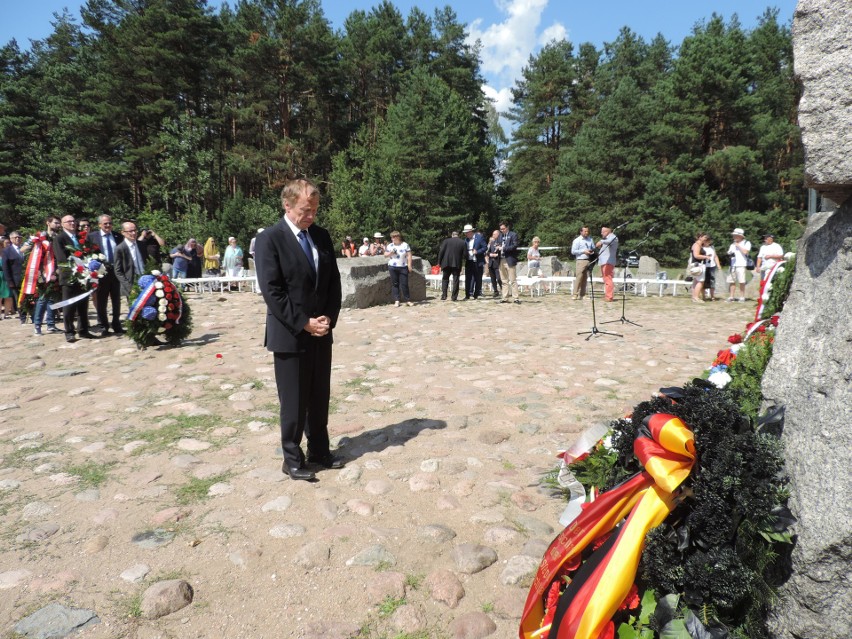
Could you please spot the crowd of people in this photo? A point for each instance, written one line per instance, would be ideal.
(705, 264)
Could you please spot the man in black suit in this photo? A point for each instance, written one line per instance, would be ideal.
(129, 258)
(509, 264)
(64, 244)
(451, 257)
(297, 272)
(109, 289)
(13, 269)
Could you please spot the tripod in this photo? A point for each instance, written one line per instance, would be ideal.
(623, 319)
(595, 331)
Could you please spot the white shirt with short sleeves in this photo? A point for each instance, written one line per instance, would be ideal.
(770, 250)
(739, 259)
(401, 258)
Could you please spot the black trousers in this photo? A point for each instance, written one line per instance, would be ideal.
(109, 290)
(494, 273)
(399, 283)
(473, 278)
(70, 312)
(304, 390)
(455, 271)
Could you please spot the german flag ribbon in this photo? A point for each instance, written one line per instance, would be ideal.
(666, 449)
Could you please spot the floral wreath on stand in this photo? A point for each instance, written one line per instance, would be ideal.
(40, 277)
(158, 310)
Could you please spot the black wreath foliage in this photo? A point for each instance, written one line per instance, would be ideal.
(711, 548)
(146, 332)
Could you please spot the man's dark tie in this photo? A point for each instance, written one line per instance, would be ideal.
(306, 247)
(108, 245)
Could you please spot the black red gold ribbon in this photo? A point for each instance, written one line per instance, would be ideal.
(667, 451)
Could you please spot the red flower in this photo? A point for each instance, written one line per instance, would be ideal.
(774, 320)
(735, 339)
(80, 269)
(631, 601)
(94, 285)
(167, 325)
(78, 253)
(82, 235)
(725, 357)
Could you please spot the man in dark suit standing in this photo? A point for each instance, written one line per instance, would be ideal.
(451, 257)
(64, 244)
(476, 249)
(129, 258)
(13, 270)
(509, 264)
(109, 289)
(296, 264)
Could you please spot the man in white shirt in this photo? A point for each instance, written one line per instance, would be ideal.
(768, 256)
(364, 249)
(129, 258)
(582, 249)
(738, 253)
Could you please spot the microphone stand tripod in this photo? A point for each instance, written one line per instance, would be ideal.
(595, 331)
(623, 319)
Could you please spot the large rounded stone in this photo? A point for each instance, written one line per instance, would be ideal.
(165, 597)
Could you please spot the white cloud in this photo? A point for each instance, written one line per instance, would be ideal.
(505, 47)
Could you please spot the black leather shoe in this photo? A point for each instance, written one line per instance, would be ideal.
(298, 473)
(70, 339)
(328, 461)
(86, 335)
(118, 330)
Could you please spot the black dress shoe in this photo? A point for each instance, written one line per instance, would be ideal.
(297, 473)
(70, 339)
(327, 461)
(118, 330)
(86, 335)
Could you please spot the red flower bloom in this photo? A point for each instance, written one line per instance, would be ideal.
(735, 339)
(725, 357)
(80, 269)
(167, 325)
(631, 601)
(78, 253)
(774, 320)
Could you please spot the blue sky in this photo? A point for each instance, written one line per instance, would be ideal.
(509, 30)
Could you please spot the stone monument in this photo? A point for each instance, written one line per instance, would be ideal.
(811, 367)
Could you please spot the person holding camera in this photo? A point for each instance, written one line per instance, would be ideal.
(399, 266)
(738, 253)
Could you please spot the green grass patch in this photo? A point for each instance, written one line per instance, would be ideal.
(91, 474)
(175, 429)
(390, 605)
(413, 581)
(196, 489)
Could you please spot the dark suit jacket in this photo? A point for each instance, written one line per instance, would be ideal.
(13, 267)
(293, 293)
(125, 270)
(95, 238)
(452, 253)
(480, 246)
(61, 242)
(510, 248)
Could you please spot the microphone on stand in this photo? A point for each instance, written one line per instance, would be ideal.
(619, 226)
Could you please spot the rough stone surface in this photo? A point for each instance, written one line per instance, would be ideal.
(445, 587)
(473, 625)
(55, 621)
(165, 597)
(365, 281)
(822, 58)
(811, 373)
(471, 558)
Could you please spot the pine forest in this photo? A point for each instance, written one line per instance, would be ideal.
(189, 120)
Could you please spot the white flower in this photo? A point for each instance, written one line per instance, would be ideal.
(158, 285)
(736, 347)
(720, 379)
(101, 257)
(607, 442)
(155, 273)
(161, 317)
(159, 293)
